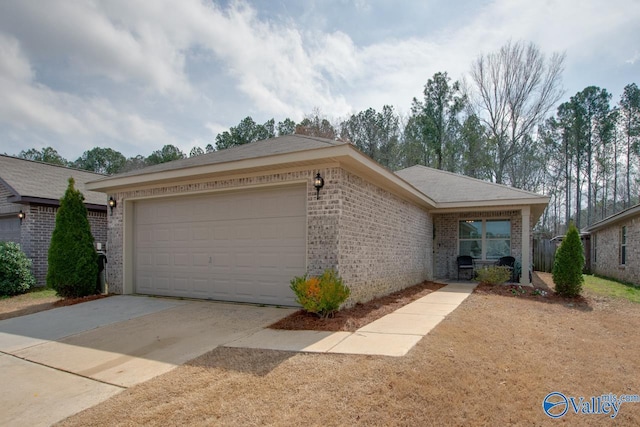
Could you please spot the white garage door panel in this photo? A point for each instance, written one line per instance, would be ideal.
(10, 229)
(241, 246)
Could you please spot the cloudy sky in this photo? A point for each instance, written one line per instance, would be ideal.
(135, 75)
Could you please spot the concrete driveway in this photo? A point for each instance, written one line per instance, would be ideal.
(58, 362)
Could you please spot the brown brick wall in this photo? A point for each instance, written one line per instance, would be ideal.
(608, 251)
(349, 209)
(446, 234)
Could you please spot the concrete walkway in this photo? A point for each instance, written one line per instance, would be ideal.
(58, 362)
(392, 335)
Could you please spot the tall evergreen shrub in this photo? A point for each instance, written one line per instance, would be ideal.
(568, 264)
(73, 265)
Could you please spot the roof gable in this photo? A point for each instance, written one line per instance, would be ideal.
(428, 187)
(29, 180)
(266, 147)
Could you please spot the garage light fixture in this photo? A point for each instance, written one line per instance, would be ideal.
(318, 182)
(21, 215)
(112, 204)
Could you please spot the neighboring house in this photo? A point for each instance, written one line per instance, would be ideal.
(34, 190)
(239, 224)
(615, 246)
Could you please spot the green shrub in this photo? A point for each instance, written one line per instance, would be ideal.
(493, 275)
(73, 261)
(15, 270)
(321, 295)
(568, 264)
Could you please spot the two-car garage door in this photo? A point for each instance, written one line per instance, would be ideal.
(236, 246)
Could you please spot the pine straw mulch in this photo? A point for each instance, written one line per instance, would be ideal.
(352, 319)
(361, 314)
(73, 301)
(542, 290)
(21, 306)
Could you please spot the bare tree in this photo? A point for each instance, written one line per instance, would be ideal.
(516, 88)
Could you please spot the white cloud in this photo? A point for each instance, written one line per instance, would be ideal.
(635, 58)
(122, 72)
(32, 107)
(13, 64)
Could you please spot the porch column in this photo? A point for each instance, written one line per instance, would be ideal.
(526, 241)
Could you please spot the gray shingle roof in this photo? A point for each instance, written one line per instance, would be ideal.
(447, 187)
(612, 219)
(263, 148)
(29, 179)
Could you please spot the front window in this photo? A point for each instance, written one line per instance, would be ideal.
(594, 239)
(623, 246)
(485, 239)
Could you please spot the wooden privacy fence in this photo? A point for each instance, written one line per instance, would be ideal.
(544, 251)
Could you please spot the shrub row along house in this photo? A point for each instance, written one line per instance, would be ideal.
(30, 194)
(239, 224)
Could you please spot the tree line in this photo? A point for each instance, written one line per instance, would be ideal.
(499, 126)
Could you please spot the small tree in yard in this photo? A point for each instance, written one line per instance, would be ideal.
(73, 262)
(568, 264)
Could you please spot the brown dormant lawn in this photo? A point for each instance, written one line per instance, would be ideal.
(490, 362)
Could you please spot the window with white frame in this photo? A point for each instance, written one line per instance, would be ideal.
(594, 255)
(484, 239)
(623, 245)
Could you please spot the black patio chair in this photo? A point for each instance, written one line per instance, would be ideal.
(508, 261)
(465, 262)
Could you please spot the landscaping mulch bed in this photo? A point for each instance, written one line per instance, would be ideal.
(72, 301)
(22, 305)
(361, 314)
(540, 291)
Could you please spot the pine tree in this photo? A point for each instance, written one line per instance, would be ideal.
(568, 264)
(73, 267)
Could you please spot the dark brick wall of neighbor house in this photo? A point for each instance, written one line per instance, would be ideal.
(607, 247)
(37, 229)
(8, 209)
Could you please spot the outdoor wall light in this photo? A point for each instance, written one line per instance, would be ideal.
(112, 204)
(318, 182)
(21, 215)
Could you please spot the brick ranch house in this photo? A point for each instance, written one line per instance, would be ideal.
(35, 189)
(238, 224)
(615, 246)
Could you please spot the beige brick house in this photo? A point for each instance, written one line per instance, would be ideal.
(34, 190)
(615, 246)
(238, 224)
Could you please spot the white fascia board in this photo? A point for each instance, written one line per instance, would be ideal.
(507, 203)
